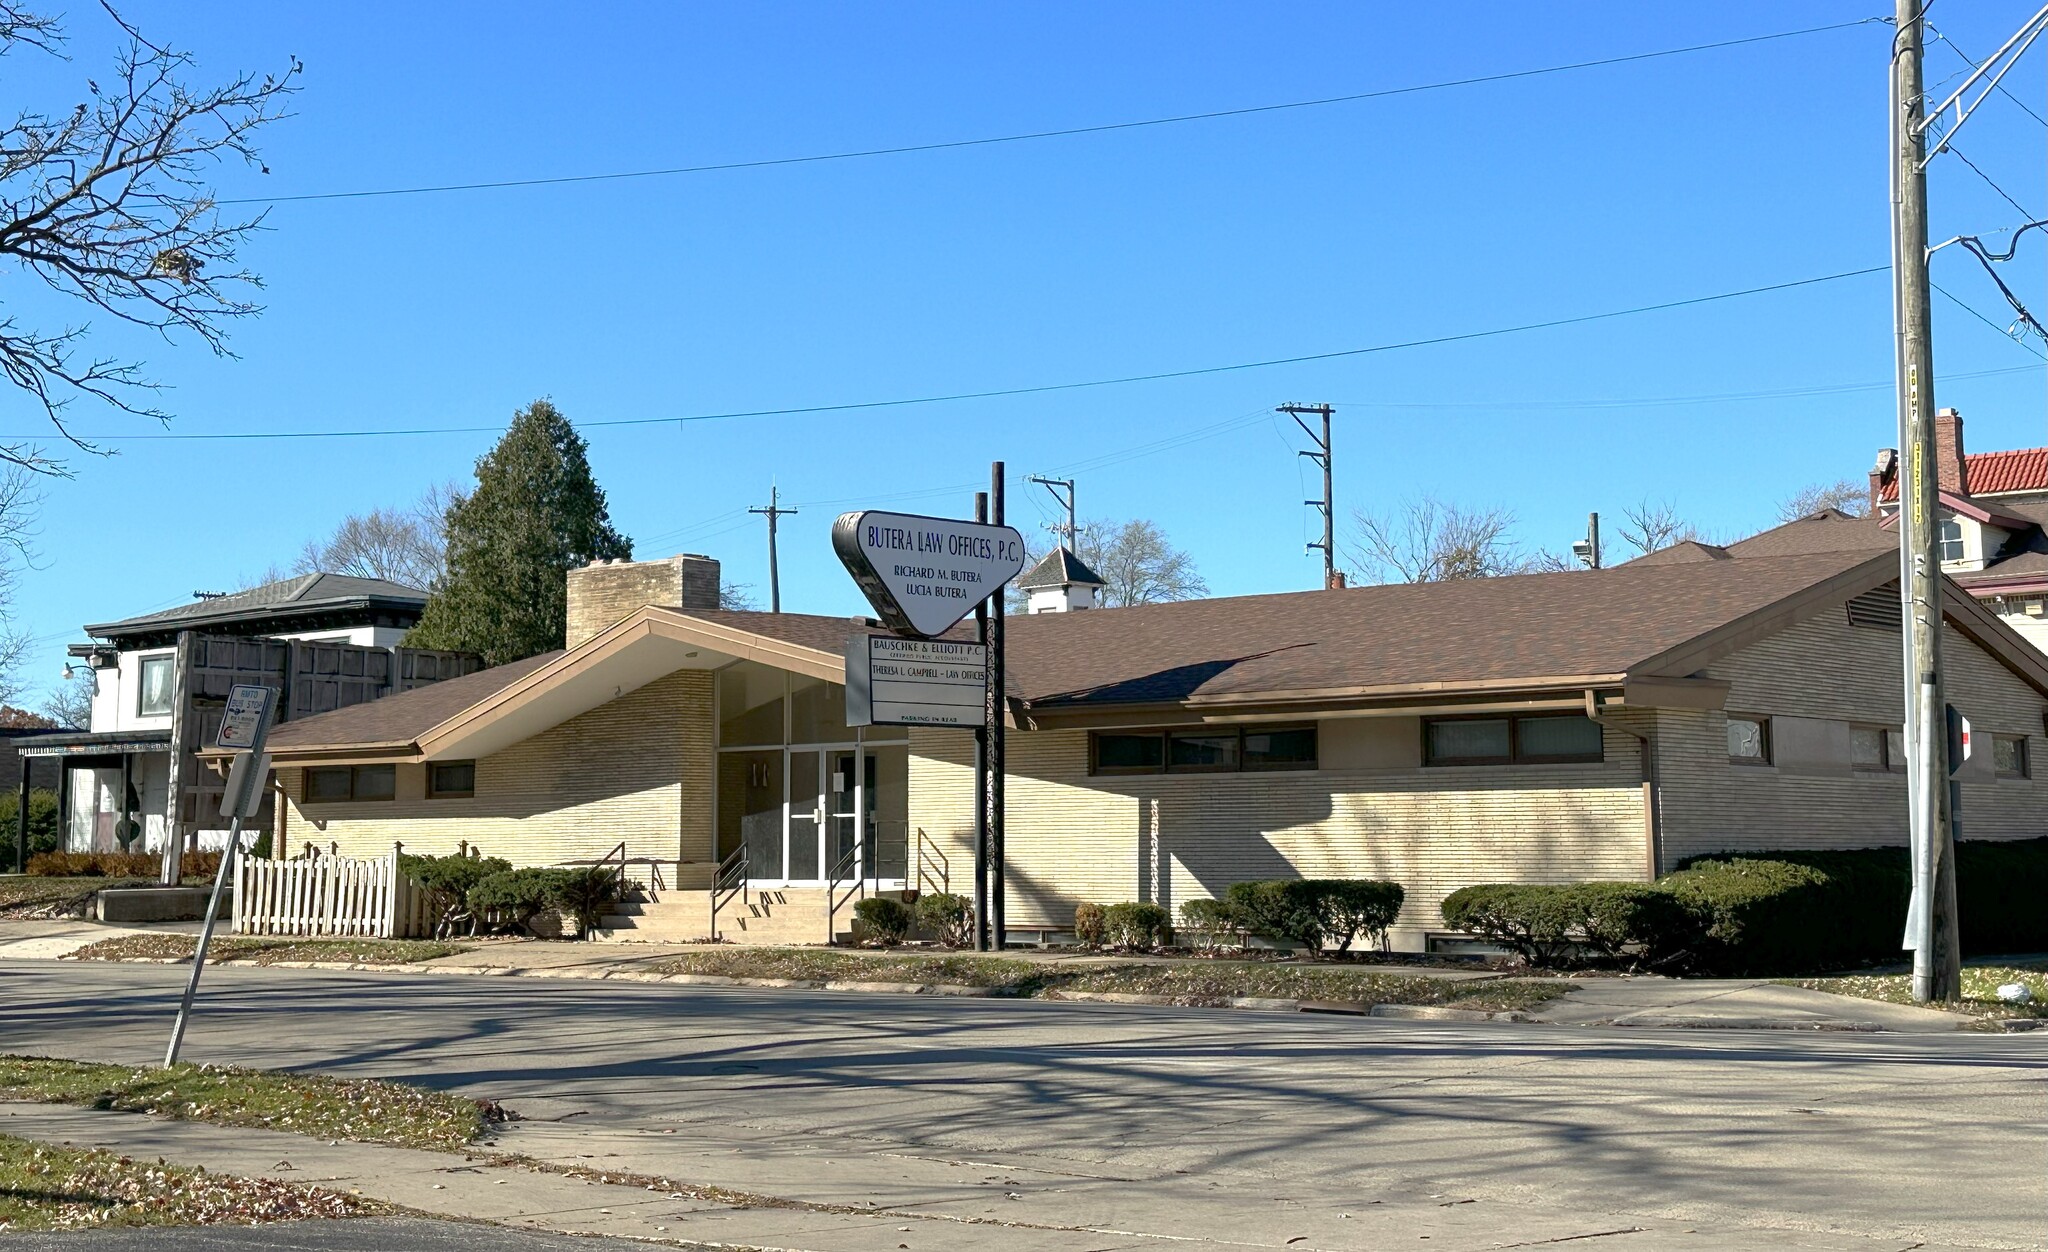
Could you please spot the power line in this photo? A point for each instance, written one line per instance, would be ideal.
(2003, 332)
(2029, 213)
(1999, 87)
(1065, 132)
(1039, 389)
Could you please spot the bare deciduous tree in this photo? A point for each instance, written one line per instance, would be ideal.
(408, 546)
(1648, 525)
(1844, 494)
(1427, 540)
(1138, 565)
(107, 202)
(69, 703)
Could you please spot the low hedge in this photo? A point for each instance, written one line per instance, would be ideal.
(119, 864)
(946, 917)
(1763, 913)
(1316, 912)
(1137, 925)
(886, 920)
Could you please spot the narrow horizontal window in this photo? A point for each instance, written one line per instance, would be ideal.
(1469, 741)
(1292, 747)
(1130, 754)
(332, 784)
(376, 782)
(451, 780)
(328, 783)
(1201, 752)
(1547, 739)
(1569, 738)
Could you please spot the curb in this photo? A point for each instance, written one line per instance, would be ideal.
(1811, 1025)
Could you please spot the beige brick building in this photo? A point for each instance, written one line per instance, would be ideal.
(1542, 728)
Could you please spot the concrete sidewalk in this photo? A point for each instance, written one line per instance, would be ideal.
(749, 1190)
(1648, 1002)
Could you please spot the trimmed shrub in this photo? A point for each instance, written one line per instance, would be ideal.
(1534, 921)
(947, 917)
(1359, 907)
(1208, 922)
(1136, 925)
(2001, 895)
(1281, 908)
(447, 880)
(510, 899)
(887, 920)
(1781, 916)
(118, 864)
(1089, 925)
(585, 894)
(1635, 925)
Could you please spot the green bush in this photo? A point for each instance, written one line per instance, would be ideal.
(1355, 907)
(1779, 916)
(2001, 895)
(447, 880)
(1534, 921)
(1314, 912)
(586, 894)
(947, 917)
(1136, 925)
(887, 920)
(119, 864)
(43, 832)
(1089, 925)
(1208, 922)
(510, 899)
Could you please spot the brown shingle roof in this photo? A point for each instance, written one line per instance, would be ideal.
(1829, 530)
(401, 718)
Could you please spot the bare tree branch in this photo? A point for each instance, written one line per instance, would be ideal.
(1845, 494)
(1426, 540)
(408, 546)
(1648, 525)
(1137, 562)
(108, 203)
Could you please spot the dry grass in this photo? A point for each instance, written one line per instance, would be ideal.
(1980, 989)
(1184, 982)
(229, 948)
(365, 1110)
(53, 1188)
(33, 896)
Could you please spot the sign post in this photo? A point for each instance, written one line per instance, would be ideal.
(924, 575)
(243, 728)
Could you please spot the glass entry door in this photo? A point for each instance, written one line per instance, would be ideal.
(842, 813)
(806, 814)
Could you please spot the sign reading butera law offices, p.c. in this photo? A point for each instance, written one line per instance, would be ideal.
(923, 574)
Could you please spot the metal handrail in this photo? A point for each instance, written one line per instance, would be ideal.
(844, 871)
(727, 881)
(619, 878)
(928, 853)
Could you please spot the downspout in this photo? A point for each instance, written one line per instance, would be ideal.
(1653, 849)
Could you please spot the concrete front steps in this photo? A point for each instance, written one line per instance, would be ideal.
(769, 916)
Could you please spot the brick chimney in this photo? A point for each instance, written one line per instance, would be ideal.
(1948, 452)
(604, 593)
(1881, 476)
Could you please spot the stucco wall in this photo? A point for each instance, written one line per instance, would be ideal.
(1373, 811)
(638, 768)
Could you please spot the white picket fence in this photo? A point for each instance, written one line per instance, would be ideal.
(329, 895)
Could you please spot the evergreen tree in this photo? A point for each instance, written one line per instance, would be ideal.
(535, 514)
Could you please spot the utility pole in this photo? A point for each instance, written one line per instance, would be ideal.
(772, 511)
(1931, 927)
(1070, 537)
(1321, 456)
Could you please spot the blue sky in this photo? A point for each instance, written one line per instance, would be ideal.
(1156, 249)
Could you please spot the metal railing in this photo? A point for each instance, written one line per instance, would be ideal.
(934, 870)
(843, 884)
(617, 856)
(728, 881)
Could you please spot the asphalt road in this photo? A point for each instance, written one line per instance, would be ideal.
(363, 1234)
(1891, 1138)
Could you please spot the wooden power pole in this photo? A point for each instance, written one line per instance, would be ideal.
(1931, 928)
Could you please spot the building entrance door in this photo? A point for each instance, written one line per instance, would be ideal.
(806, 813)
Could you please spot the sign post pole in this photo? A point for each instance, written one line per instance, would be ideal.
(243, 728)
(981, 759)
(996, 765)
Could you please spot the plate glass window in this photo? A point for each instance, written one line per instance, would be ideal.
(155, 676)
(1292, 747)
(1570, 738)
(1201, 751)
(451, 780)
(328, 783)
(1470, 740)
(1130, 754)
(2009, 754)
(1749, 740)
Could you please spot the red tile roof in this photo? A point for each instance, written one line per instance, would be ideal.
(1993, 473)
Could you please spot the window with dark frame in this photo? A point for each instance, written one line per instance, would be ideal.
(1749, 740)
(333, 784)
(1536, 739)
(451, 780)
(1202, 750)
(2009, 756)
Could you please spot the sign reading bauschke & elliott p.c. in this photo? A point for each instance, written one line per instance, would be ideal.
(893, 681)
(924, 574)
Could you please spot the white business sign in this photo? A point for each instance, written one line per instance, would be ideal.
(891, 681)
(923, 574)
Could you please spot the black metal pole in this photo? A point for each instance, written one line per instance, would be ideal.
(996, 707)
(981, 768)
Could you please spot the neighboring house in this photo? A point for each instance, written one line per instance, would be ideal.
(1544, 728)
(1992, 509)
(324, 640)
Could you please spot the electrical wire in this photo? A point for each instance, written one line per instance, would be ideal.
(1062, 133)
(2003, 332)
(1006, 392)
(2000, 87)
(1957, 153)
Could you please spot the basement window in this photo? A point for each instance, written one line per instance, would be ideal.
(1207, 750)
(451, 780)
(335, 784)
(1545, 740)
